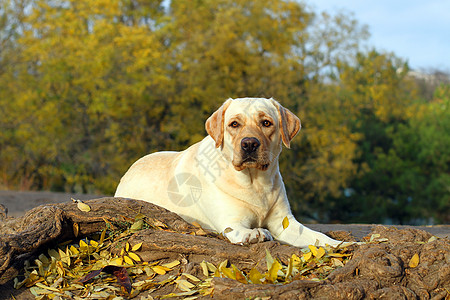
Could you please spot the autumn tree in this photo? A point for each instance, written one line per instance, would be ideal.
(87, 87)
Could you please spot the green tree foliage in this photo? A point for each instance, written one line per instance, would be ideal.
(404, 149)
(87, 87)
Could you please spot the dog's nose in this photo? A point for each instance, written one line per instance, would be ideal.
(250, 144)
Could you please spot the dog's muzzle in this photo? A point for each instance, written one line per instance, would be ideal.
(249, 145)
(250, 156)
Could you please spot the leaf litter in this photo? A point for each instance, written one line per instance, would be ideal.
(90, 269)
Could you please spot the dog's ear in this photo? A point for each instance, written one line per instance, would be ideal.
(214, 124)
(289, 124)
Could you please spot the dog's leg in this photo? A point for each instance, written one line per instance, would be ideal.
(285, 228)
(296, 234)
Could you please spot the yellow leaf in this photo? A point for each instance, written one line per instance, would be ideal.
(191, 277)
(134, 256)
(117, 262)
(184, 285)
(336, 262)
(320, 253)
(336, 255)
(128, 260)
(228, 230)
(64, 257)
(432, 239)
(211, 267)
(159, 270)
(313, 249)
(269, 260)
(290, 267)
(76, 229)
(255, 276)
(414, 262)
(149, 271)
(127, 247)
(102, 236)
(93, 243)
(44, 259)
(74, 250)
(53, 253)
(171, 264)
(40, 267)
(83, 245)
(374, 237)
(60, 268)
(136, 247)
(295, 258)
(285, 222)
(223, 264)
(204, 268)
(272, 274)
(228, 273)
(83, 206)
(47, 287)
(137, 226)
(239, 275)
(307, 256)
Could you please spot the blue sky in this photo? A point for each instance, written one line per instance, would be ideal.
(415, 30)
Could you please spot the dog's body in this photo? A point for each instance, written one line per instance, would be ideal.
(230, 181)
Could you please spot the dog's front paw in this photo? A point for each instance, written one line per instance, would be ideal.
(257, 235)
(247, 236)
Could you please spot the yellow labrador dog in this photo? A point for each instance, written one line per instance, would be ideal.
(230, 181)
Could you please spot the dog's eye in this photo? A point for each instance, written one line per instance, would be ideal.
(234, 124)
(266, 123)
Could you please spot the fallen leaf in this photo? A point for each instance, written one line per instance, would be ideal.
(374, 237)
(159, 270)
(128, 260)
(313, 249)
(191, 277)
(228, 273)
(336, 262)
(290, 267)
(320, 253)
(137, 226)
(102, 237)
(239, 275)
(136, 247)
(414, 261)
(204, 268)
(184, 285)
(134, 256)
(83, 206)
(76, 229)
(272, 274)
(307, 256)
(171, 264)
(255, 276)
(228, 230)
(83, 246)
(269, 260)
(47, 287)
(285, 222)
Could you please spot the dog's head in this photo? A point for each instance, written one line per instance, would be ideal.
(251, 130)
